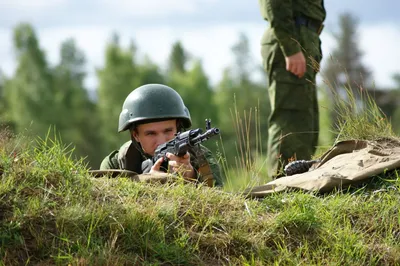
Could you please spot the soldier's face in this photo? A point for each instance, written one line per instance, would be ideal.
(151, 135)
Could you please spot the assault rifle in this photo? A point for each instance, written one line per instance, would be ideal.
(180, 145)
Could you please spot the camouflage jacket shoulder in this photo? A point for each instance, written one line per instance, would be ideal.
(128, 157)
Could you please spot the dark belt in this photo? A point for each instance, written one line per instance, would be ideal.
(312, 24)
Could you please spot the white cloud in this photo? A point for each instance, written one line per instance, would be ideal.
(7, 62)
(91, 40)
(151, 7)
(380, 44)
(28, 5)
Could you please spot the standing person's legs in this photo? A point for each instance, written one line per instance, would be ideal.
(293, 121)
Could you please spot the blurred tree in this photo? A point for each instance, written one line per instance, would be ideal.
(392, 105)
(78, 119)
(30, 94)
(178, 59)
(2, 100)
(344, 71)
(344, 68)
(243, 105)
(200, 96)
(396, 78)
(4, 115)
(149, 72)
(192, 84)
(118, 77)
(196, 92)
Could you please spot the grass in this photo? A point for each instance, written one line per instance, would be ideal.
(55, 219)
(249, 168)
(53, 213)
(359, 117)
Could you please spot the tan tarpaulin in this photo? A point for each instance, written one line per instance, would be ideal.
(347, 162)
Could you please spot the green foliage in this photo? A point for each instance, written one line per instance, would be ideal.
(178, 59)
(193, 85)
(345, 63)
(387, 100)
(327, 129)
(150, 73)
(361, 118)
(121, 74)
(4, 116)
(117, 79)
(243, 109)
(30, 93)
(79, 127)
(197, 94)
(344, 70)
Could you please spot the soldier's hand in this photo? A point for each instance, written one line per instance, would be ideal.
(156, 167)
(296, 64)
(181, 165)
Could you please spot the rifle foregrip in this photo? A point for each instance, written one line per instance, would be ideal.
(146, 165)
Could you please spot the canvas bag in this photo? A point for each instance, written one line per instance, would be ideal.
(348, 162)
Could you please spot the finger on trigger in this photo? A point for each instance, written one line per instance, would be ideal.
(172, 163)
(159, 162)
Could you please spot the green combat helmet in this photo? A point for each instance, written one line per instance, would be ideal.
(153, 101)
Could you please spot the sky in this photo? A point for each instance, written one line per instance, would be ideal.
(207, 29)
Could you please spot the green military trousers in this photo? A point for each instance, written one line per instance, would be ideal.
(294, 118)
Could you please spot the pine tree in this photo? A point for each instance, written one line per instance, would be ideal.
(344, 72)
(78, 119)
(344, 67)
(149, 72)
(3, 103)
(119, 76)
(243, 104)
(193, 85)
(196, 91)
(389, 103)
(30, 94)
(178, 59)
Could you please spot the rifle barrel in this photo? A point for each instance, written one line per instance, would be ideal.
(208, 134)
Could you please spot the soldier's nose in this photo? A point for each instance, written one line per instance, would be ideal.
(161, 140)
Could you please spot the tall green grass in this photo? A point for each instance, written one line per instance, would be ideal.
(359, 117)
(250, 161)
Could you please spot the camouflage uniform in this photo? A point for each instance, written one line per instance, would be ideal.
(156, 102)
(294, 120)
(130, 157)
